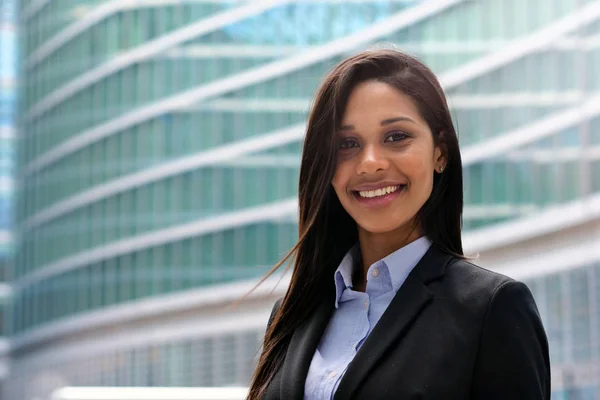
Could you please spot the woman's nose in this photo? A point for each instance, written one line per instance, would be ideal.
(371, 161)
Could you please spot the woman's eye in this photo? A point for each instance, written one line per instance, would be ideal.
(396, 137)
(348, 144)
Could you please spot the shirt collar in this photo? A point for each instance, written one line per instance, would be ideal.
(399, 264)
(343, 273)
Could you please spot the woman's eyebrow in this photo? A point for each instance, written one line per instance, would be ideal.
(397, 119)
(384, 122)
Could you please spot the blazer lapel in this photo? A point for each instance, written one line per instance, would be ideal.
(411, 299)
(300, 352)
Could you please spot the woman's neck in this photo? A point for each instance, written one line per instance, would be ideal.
(375, 246)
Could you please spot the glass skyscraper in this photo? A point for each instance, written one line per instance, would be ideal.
(158, 161)
(8, 103)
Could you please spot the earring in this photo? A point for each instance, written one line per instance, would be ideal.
(441, 169)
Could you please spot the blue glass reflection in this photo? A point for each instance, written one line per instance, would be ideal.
(8, 50)
(8, 101)
(8, 10)
(309, 23)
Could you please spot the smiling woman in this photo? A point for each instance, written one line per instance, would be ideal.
(386, 157)
(382, 303)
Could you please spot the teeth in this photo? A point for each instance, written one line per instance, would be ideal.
(378, 192)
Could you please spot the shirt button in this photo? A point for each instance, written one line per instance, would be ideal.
(332, 374)
(375, 272)
(366, 305)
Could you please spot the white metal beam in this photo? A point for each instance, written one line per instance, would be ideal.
(173, 168)
(92, 17)
(6, 235)
(154, 307)
(6, 184)
(578, 42)
(266, 212)
(280, 161)
(148, 49)
(7, 132)
(556, 239)
(552, 219)
(5, 291)
(516, 99)
(524, 45)
(252, 105)
(95, 15)
(531, 132)
(212, 51)
(556, 259)
(241, 80)
(9, 82)
(194, 327)
(499, 210)
(555, 155)
(33, 8)
(150, 393)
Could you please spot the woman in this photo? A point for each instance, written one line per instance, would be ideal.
(382, 303)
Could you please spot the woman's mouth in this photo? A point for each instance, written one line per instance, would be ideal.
(379, 197)
(369, 194)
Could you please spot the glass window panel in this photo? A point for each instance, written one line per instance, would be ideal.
(110, 269)
(144, 273)
(556, 322)
(197, 261)
(95, 286)
(580, 313)
(167, 269)
(207, 258)
(126, 278)
(157, 271)
(187, 267)
(83, 285)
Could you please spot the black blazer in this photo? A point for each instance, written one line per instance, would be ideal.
(453, 331)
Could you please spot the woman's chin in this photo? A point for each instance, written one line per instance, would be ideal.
(384, 227)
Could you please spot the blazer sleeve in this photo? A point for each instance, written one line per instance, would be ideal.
(513, 360)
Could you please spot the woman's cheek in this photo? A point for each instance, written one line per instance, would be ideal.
(341, 177)
(413, 167)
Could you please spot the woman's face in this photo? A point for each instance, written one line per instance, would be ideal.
(386, 159)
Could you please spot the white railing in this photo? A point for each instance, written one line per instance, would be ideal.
(149, 393)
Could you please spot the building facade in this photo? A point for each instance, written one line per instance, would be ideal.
(158, 161)
(8, 104)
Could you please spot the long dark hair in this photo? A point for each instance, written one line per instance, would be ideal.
(326, 231)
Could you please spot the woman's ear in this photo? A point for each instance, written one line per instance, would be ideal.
(440, 155)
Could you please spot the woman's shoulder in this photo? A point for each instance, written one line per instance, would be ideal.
(471, 283)
(467, 269)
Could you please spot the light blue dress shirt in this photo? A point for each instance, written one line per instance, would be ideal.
(356, 313)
